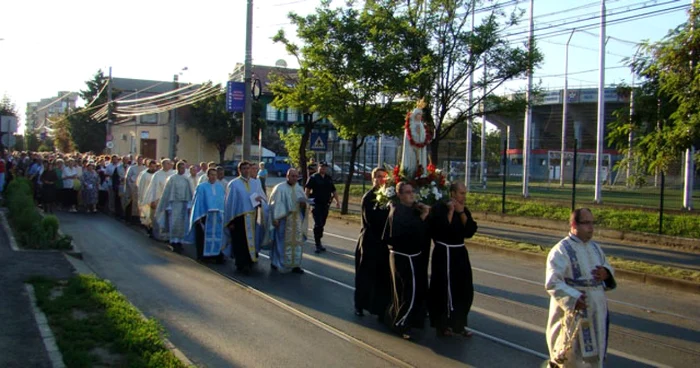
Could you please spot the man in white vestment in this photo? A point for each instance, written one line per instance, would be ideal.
(172, 212)
(131, 195)
(142, 183)
(240, 217)
(578, 275)
(155, 192)
(289, 218)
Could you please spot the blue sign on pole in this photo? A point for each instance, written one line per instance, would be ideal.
(235, 96)
(319, 141)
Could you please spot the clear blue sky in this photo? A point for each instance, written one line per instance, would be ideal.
(50, 46)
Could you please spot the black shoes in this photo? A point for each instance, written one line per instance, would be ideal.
(176, 247)
(319, 249)
(273, 267)
(298, 270)
(359, 312)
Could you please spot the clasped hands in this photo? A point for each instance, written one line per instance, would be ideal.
(600, 273)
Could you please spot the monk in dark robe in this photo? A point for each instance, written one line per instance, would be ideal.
(451, 287)
(405, 233)
(372, 275)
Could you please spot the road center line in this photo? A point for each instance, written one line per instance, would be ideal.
(538, 283)
(482, 334)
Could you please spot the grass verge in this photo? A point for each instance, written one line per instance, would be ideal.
(95, 325)
(685, 225)
(616, 262)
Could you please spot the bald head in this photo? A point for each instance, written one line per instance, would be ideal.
(292, 176)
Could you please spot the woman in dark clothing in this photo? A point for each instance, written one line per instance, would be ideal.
(451, 290)
(48, 187)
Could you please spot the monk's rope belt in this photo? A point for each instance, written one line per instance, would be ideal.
(450, 308)
(413, 284)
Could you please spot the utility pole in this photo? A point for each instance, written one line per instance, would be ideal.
(173, 123)
(630, 136)
(247, 111)
(109, 110)
(470, 121)
(564, 110)
(601, 109)
(528, 114)
(482, 164)
(689, 181)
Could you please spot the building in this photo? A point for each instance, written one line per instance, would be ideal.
(546, 135)
(149, 135)
(38, 113)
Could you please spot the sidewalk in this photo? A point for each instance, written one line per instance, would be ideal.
(21, 344)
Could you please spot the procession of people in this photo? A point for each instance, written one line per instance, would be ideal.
(411, 261)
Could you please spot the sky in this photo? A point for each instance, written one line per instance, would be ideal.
(49, 46)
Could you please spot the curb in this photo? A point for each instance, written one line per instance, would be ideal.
(676, 284)
(46, 334)
(82, 268)
(74, 251)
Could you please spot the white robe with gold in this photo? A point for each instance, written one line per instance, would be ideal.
(145, 211)
(172, 217)
(290, 234)
(569, 267)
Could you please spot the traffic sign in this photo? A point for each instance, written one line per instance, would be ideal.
(110, 144)
(8, 124)
(235, 96)
(8, 140)
(319, 141)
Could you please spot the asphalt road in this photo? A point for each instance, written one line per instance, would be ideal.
(219, 318)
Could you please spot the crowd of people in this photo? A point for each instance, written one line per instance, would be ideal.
(184, 203)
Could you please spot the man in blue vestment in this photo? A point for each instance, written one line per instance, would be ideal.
(207, 218)
(240, 214)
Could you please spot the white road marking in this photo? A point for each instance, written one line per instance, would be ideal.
(540, 283)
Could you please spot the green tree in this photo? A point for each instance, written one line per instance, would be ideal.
(62, 138)
(444, 62)
(31, 140)
(218, 126)
(666, 120)
(292, 141)
(89, 134)
(353, 69)
(7, 108)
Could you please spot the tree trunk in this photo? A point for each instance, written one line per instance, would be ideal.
(351, 170)
(303, 172)
(222, 153)
(434, 145)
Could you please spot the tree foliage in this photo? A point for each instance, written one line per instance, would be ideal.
(452, 53)
(88, 134)
(218, 126)
(292, 141)
(666, 118)
(7, 108)
(62, 138)
(353, 68)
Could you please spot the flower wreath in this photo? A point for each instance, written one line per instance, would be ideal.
(428, 134)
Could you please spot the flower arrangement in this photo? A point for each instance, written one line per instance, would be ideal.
(430, 186)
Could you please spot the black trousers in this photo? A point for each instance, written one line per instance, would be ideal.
(320, 214)
(239, 244)
(118, 210)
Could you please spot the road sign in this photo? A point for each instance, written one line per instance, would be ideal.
(8, 124)
(8, 140)
(319, 141)
(110, 144)
(235, 96)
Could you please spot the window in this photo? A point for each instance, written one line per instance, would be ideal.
(149, 119)
(292, 115)
(271, 113)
